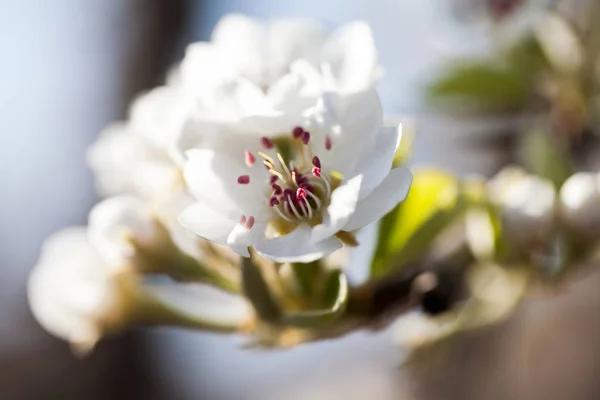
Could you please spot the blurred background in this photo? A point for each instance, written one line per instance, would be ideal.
(69, 67)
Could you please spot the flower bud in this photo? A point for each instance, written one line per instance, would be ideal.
(79, 297)
(580, 203)
(527, 205)
(75, 294)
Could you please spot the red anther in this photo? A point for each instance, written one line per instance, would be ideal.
(305, 137)
(316, 171)
(316, 162)
(249, 158)
(243, 179)
(273, 179)
(328, 143)
(266, 142)
(273, 201)
(301, 193)
(297, 132)
(250, 222)
(243, 220)
(276, 189)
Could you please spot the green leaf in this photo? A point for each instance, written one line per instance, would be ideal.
(258, 292)
(481, 85)
(542, 156)
(502, 83)
(334, 300)
(406, 232)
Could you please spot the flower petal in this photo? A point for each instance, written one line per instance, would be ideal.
(344, 200)
(376, 161)
(296, 247)
(352, 55)
(212, 177)
(242, 41)
(208, 223)
(382, 200)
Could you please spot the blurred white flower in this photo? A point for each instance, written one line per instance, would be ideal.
(78, 296)
(527, 204)
(580, 203)
(75, 294)
(124, 162)
(143, 155)
(327, 177)
(263, 53)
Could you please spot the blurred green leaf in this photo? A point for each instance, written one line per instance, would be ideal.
(542, 156)
(406, 232)
(334, 300)
(502, 83)
(481, 85)
(258, 292)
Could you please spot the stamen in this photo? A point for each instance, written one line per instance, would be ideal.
(294, 209)
(327, 143)
(249, 158)
(297, 132)
(268, 165)
(305, 137)
(283, 164)
(243, 179)
(278, 174)
(266, 157)
(315, 198)
(277, 189)
(301, 193)
(243, 220)
(266, 143)
(282, 215)
(307, 208)
(273, 201)
(316, 162)
(250, 222)
(316, 171)
(273, 179)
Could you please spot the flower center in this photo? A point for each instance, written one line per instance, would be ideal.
(297, 190)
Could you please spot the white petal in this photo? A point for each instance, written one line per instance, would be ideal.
(382, 200)
(344, 200)
(242, 41)
(349, 121)
(376, 160)
(353, 57)
(123, 162)
(243, 237)
(212, 177)
(290, 40)
(207, 223)
(296, 247)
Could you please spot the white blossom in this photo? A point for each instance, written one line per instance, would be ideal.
(262, 53)
(78, 295)
(325, 177)
(74, 293)
(527, 204)
(580, 203)
(143, 155)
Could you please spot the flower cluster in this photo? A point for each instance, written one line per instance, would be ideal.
(266, 141)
